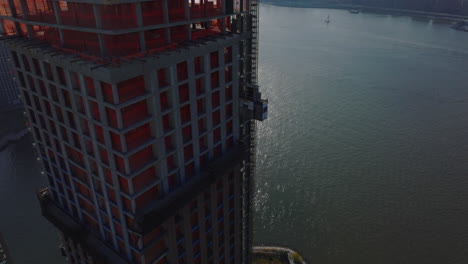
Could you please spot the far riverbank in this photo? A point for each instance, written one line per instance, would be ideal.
(392, 11)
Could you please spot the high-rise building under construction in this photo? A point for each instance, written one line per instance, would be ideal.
(143, 118)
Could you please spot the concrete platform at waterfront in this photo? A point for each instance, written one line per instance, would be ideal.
(276, 255)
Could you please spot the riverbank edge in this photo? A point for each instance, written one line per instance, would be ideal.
(276, 253)
(5, 251)
(12, 138)
(371, 9)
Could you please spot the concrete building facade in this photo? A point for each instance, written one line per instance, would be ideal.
(143, 117)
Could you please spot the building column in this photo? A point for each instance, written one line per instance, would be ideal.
(235, 91)
(59, 21)
(194, 113)
(208, 108)
(97, 16)
(141, 35)
(177, 122)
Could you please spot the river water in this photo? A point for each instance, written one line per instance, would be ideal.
(363, 158)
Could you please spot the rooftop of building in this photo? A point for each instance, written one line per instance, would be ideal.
(112, 71)
(117, 29)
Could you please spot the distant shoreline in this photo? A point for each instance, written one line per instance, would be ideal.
(392, 11)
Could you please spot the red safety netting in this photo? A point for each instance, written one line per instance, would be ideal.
(200, 106)
(163, 77)
(77, 14)
(188, 152)
(9, 27)
(41, 11)
(107, 92)
(120, 164)
(185, 115)
(95, 110)
(216, 117)
(204, 8)
(82, 41)
(229, 127)
(187, 133)
(199, 86)
(179, 34)
(134, 113)
(164, 101)
(182, 71)
(216, 135)
(138, 136)
(152, 12)
(17, 8)
(80, 174)
(89, 84)
(116, 142)
(228, 55)
(176, 10)
(155, 38)
(124, 186)
(48, 34)
(215, 80)
(111, 117)
(216, 26)
(228, 110)
(214, 60)
(118, 16)
(5, 9)
(198, 65)
(228, 74)
(171, 165)
(199, 31)
(197, 9)
(184, 94)
(143, 179)
(168, 143)
(228, 93)
(166, 121)
(213, 7)
(205, 29)
(23, 29)
(122, 45)
(75, 156)
(99, 133)
(215, 99)
(130, 89)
